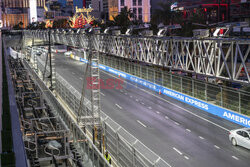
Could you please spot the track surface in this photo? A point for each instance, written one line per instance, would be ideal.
(182, 135)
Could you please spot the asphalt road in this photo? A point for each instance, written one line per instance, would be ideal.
(182, 135)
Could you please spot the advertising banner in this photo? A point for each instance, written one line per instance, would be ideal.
(210, 108)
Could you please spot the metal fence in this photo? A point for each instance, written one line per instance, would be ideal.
(235, 100)
(90, 155)
(222, 58)
(125, 149)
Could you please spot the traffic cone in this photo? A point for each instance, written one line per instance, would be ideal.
(159, 92)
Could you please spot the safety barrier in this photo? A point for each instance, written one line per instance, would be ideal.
(213, 109)
(222, 58)
(90, 154)
(125, 149)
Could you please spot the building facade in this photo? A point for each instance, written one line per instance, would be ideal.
(16, 11)
(113, 9)
(140, 8)
(217, 10)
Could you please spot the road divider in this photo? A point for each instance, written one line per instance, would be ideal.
(210, 108)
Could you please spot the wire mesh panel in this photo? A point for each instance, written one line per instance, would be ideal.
(187, 86)
(244, 103)
(199, 90)
(176, 83)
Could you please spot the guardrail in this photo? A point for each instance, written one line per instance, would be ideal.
(236, 100)
(183, 97)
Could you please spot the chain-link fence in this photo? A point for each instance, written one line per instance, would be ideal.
(229, 98)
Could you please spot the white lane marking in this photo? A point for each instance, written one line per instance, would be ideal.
(216, 146)
(174, 104)
(81, 78)
(121, 90)
(166, 117)
(157, 112)
(102, 93)
(177, 150)
(136, 100)
(150, 108)
(186, 157)
(201, 137)
(73, 73)
(141, 124)
(176, 123)
(142, 103)
(188, 130)
(118, 106)
(235, 157)
(131, 96)
(125, 93)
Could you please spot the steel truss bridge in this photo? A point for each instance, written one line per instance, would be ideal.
(224, 58)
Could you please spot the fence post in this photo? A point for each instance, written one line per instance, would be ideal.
(117, 148)
(206, 91)
(133, 156)
(221, 97)
(147, 72)
(140, 71)
(171, 81)
(193, 87)
(162, 78)
(154, 74)
(239, 102)
(181, 84)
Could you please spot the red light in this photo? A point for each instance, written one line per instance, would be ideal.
(221, 31)
(205, 9)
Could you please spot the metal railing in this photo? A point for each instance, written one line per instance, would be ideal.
(223, 58)
(89, 152)
(125, 149)
(235, 100)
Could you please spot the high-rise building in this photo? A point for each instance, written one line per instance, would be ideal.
(140, 8)
(113, 8)
(217, 10)
(16, 11)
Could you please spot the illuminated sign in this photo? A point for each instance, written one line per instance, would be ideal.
(49, 24)
(33, 11)
(81, 18)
